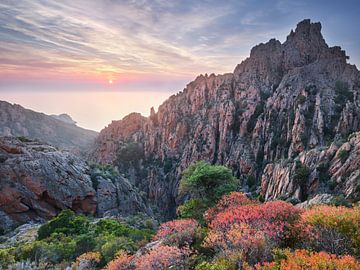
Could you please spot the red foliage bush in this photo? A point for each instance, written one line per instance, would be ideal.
(178, 232)
(254, 229)
(163, 257)
(232, 200)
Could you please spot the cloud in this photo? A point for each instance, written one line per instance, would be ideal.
(127, 38)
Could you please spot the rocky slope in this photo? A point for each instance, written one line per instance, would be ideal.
(59, 131)
(285, 102)
(37, 181)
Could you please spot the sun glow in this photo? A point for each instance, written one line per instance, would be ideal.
(110, 81)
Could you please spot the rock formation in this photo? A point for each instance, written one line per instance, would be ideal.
(37, 181)
(281, 106)
(59, 131)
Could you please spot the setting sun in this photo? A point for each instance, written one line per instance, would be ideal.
(110, 81)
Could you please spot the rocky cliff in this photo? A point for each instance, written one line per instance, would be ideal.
(37, 181)
(289, 105)
(59, 130)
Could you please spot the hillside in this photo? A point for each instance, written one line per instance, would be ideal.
(59, 131)
(282, 121)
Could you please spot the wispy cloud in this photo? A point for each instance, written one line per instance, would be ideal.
(134, 39)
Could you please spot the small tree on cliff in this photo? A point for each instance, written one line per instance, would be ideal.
(205, 184)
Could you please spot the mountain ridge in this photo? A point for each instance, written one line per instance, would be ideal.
(18, 121)
(281, 101)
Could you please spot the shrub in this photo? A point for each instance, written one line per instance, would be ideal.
(337, 228)
(66, 222)
(301, 99)
(111, 245)
(221, 264)
(305, 260)
(121, 262)
(130, 152)
(194, 208)
(90, 259)
(178, 232)
(163, 257)
(343, 155)
(6, 258)
(67, 236)
(206, 184)
(255, 229)
(301, 172)
(227, 202)
(340, 200)
(207, 181)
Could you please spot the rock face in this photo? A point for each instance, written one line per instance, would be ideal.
(284, 102)
(59, 131)
(37, 182)
(333, 169)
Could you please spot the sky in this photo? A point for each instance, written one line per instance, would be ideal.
(52, 51)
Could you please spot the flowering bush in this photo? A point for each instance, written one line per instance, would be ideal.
(163, 257)
(121, 262)
(253, 230)
(231, 201)
(305, 260)
(178, 232)
(337, 228)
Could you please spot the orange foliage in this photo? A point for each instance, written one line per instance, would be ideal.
(305, 260)
(121, 262)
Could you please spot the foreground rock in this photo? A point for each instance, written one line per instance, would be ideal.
(37, 181)
(286, 98)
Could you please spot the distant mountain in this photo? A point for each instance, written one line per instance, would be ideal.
(60, 131)
(64, 117)
(285, 121)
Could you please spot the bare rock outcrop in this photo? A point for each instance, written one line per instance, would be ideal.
(321, 170)
(37, 181)
(285, 100)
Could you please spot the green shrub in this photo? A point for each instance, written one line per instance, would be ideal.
(130, 152)
(24, 139)
(194, 208)
(106, 171)
(301, 99)
(340, 200)
(251, 181)
(221, 264)
(302, 172)
(208, 182)
(323, 169)
(6, 258)
(66, 222)
(343, 155)
(110, 245)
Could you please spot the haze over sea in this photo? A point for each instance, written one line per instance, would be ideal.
(90, 109)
